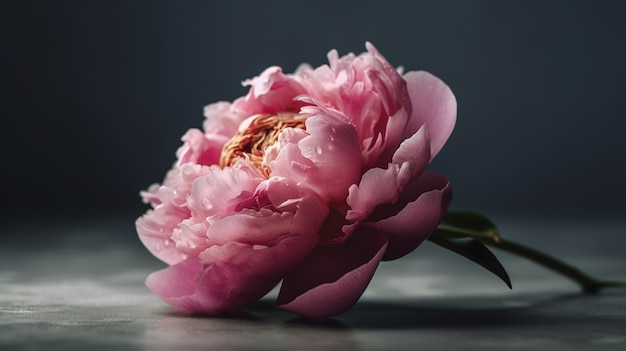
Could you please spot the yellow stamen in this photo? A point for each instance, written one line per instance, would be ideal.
(262, 133)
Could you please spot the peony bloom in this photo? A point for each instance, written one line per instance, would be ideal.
(312, 179)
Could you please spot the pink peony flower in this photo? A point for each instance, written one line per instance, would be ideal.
(311, 179)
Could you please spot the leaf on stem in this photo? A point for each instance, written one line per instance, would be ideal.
(475, 251)
(463, 224)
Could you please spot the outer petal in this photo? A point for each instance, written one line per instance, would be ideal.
(383, 186)
(417, 219)
(333, 277)
(247, 266)
(155, 230)
(176, 284)
(377, 187)
(434, 105)
(156, 227)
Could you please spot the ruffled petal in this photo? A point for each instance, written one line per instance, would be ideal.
(155, 230)
(199, 148)
(190, 237)
(219, 193)
(414, 220)
(223, 119)
(327, 160)
(369, 92)
(151, 196)
(156, 227)
(434, 105)
(333, 277)
(377, 187)
(399, 98)
(252, 251)
(271, 92)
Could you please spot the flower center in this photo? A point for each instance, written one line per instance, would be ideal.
(262, 133)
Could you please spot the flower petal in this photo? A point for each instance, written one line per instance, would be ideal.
(199, 148)
(266, 227)
(415, 151)
(253, 251)
(155, 231)
(218, 193)
(190, 236)
(270, 92)
(434, 105)
(416, 219)
(333, 277)
(377, 187)
(328, 160)
(156, 227)
(222, 118)
(177, 284)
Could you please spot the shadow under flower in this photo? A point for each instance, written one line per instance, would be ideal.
(440, 313)
(411, 322)
(476, 312)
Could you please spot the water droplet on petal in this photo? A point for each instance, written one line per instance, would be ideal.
(160, 230)
(318, 150)
(158, 247)
(166, 243)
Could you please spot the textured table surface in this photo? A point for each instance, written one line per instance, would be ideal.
(80, 286)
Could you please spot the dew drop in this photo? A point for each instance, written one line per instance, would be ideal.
(318, 150)
(160, 230)
(158, 247)
(166, 243)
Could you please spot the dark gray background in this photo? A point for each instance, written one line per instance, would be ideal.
(96, 94)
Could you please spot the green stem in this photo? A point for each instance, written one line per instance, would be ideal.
(588, 284)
